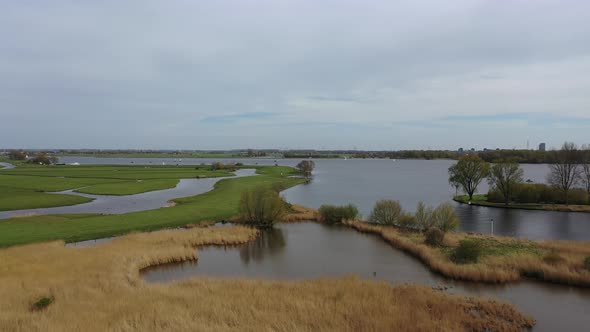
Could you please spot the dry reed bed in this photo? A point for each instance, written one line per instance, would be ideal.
(98, 289)
(301, 213)
(492, 268)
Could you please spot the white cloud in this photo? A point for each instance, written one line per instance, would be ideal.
(153, 70)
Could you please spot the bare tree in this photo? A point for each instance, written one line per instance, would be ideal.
(306, 167)
(505, 176)
(585, 172)
(565, 172)
(468, 172)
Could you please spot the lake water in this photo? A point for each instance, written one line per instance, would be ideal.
(310, 250)
(364, 181)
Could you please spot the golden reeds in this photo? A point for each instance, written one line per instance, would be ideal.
(493, 269)
(98, 288)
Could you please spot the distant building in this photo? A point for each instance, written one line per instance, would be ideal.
(460, 150)
(542, 147)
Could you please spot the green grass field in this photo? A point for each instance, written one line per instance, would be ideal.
(129, 187)
(24, 187)
(14, 199)
(220, 203)
(118, 172)
(157, 155)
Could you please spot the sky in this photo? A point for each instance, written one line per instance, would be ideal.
(376, 75)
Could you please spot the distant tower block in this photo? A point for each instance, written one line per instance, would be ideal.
(542, 147)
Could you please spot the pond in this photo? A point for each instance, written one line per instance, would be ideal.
(310, 250)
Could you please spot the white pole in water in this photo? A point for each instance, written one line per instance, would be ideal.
(492, 220)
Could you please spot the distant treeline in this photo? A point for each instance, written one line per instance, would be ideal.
(520, 156)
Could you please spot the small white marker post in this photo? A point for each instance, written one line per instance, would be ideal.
(492, 221)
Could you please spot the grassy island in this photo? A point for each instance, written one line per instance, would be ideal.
(29, 186)
(220, 203)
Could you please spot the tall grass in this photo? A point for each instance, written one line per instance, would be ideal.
(520, 259)
(98, 289)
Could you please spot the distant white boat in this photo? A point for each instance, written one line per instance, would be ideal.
(75, 164)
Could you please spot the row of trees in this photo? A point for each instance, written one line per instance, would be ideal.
(39, 158)
(569, 169)
(390, 212)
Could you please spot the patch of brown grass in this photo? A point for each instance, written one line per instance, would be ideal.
(301, 213)
(98, 289)
(501, 268)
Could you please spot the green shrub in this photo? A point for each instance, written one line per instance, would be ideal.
(386, 212)
(217, 166)
(468, 251)
(434, 237)
(407, 220)
(262, 207)
(553, 258)
(423, 216)
(42, 303)
(587, 263)
(445, 218)
(334, 214)
(536, 193)
(495, 196)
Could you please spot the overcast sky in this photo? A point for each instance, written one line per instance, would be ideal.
(294, 74)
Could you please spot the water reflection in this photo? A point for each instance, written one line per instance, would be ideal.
(309, 250)
(270, 242)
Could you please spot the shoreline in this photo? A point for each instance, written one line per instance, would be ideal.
(499, 269)
(530, 207)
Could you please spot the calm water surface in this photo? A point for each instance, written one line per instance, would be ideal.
(309, 250)
(364, 181)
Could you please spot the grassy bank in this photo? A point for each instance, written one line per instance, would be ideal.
(98, 288)
(11, 199)
(481, 200)
(218, 204)
(503, 259)
(24, 187)
(129, 187)
(162, 155)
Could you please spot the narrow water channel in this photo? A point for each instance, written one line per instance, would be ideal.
(112, 204)
(310, 250)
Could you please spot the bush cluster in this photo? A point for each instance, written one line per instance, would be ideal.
(540, 193)
(434, 237)
(386, 212)
(334, 214)
(262, 207)
(390, 212)
(468, 251)
(587, 263)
